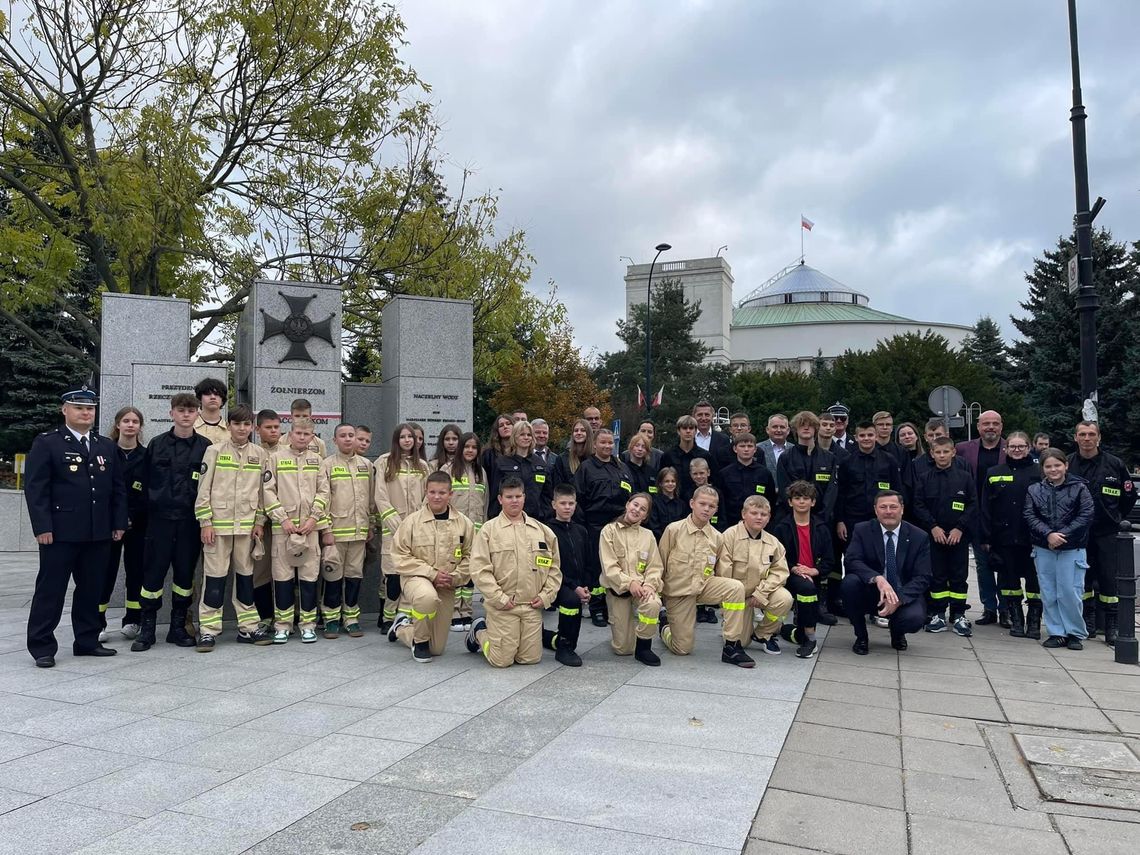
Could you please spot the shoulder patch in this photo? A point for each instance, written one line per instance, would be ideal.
(266, 476)
(203, 467)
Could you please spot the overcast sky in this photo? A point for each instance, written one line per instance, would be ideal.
(928, 139)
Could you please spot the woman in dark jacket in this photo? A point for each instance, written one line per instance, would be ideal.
(1006, 535)
(1059, 511)
(127, 433)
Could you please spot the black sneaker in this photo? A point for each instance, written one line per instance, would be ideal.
(421, 652)
(807, 649)
(205, 643)
(772, 646)
(259, 637)
(733, 654)
(987, 618)
(1074, 643)
(400, 621)
(471, 640)
(598, 618)
(1055, 641)
(568, 657)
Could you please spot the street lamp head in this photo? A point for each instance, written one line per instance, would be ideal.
(661, 247)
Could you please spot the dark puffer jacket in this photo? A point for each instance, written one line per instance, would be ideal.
(1066, 509)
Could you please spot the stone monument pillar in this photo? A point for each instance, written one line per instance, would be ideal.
(427, 366)
(145, 358)
(289, 347)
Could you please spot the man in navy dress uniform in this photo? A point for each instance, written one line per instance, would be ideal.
(77, 502)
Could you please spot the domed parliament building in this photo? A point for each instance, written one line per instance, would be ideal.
(786, 322)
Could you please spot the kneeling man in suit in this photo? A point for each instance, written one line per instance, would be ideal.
(888, 572)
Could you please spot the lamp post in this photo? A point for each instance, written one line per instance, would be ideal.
(1087, 300)
(661, 247)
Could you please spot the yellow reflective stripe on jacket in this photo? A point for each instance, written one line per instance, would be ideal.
(997, 479)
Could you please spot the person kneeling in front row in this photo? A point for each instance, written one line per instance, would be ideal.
(431, 554)
(689, 550)
(515, 565)
(631, 574)
(888, 567)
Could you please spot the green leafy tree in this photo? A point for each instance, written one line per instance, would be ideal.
(763, 394)
(985, 346)
(900, 372)
(1046, 361)
(676, 358)
(186, 149)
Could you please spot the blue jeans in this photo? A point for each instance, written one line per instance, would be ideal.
(987, 583)
(1061, 575)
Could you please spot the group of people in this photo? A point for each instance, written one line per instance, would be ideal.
(813, 523)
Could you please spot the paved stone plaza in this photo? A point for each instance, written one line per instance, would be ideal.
(347, 746)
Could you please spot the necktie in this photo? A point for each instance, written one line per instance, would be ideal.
(86, 448)
(889, 564)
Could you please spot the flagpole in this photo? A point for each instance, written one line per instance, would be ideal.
(801, 238)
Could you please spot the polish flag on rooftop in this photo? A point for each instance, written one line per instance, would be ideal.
(806, 223)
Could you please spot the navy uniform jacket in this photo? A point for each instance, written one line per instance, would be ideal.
(77, 497)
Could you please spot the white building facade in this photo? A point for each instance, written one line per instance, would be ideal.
(798, 316)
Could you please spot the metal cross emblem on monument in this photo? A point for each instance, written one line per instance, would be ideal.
(297, 327)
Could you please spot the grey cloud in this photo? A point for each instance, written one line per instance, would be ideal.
(929, 141)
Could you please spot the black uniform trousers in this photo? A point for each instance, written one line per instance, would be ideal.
(131, 550)
(860, 598)
(1015, 563)
(949, 567)
(1101, 576)
(59, 562)
(569, 607)
(806, 594)
(170, 544)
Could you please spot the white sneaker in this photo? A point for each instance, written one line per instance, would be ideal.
(963, 627)
(882, 622)
(130, 631)
(308, 636)
(281, 636)
(104, 635)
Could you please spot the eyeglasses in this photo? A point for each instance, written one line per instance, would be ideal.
(1017, 448)
(841, 418)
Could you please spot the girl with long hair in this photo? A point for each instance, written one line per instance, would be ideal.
(127, 434)
(469, 497)
(401, 478)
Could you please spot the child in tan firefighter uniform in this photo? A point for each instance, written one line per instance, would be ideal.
(689, 550)
(348, 479)
(229, 513)
(469, 497)
(515, 566)
(399, 492)
(296, 501)
(268, 430)
(432, 555)
(631, 574)
(757, 559)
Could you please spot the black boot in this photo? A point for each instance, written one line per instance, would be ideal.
(1016, 617)
(644, 652)
(1003, 617)
(1090, 616)
(1033, 619)
(177, 633)
(263, 602)
(987, 618)
(1110, 630)
(599, 614)
(825, 617)
(145, 639)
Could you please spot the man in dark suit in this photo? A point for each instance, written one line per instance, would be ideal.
(888, 570)
(715, 442)
(77, 502)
